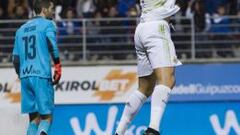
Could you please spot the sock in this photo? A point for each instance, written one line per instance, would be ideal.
(158, 103)
(32, 128)
(132, 106)
(43, 127)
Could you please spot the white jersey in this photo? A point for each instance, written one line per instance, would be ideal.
(158, 9)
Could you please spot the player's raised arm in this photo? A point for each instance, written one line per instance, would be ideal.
(52, 44)
(15, 57)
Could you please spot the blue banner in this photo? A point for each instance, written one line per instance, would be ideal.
(207, 82)
(180, 119)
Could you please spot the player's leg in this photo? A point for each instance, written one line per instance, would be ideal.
(28, 105)
(163, 59)
(146, 84)
(135, 102)
(45, 102)
(34, 119)
(165, 82)
(44, 124)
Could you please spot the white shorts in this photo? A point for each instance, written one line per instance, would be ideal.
(154, 47)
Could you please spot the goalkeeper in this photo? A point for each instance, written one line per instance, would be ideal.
(35, 41)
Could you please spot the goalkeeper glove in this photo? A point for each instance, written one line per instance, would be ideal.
(57, 73)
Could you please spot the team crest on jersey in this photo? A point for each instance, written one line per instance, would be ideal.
(161, 29)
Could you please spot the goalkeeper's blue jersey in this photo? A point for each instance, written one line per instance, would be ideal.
(35, 43)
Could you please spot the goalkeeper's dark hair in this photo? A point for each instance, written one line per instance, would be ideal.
(39, 4)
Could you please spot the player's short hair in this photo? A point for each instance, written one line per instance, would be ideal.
(39, 4)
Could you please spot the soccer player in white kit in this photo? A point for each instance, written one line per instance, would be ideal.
(156, 63)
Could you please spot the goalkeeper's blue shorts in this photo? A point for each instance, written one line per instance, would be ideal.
(37, 95)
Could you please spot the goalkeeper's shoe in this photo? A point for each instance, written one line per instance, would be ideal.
(151, 131)
(43, 133)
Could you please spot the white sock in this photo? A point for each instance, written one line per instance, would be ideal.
(158, 103)
(132, 106)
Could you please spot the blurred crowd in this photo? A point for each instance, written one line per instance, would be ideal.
(22, 9)
(206, 13)
(210, 16)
